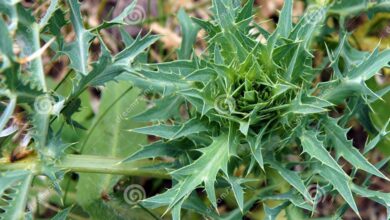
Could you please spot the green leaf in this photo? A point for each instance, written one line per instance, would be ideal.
(224, 14)
(63, 214)
(165, 83)
(49, 13)
(272, 213)
(305, 109)
(189, 31)
(347, 8)
(128, 55)
(158, 149)
(367, 69)
(238, 190)
(118, 20)
(375, 141)
(8, 8)
(78, 50)
(40, 123)
(315, 148)
(204, 169)
(28, 38)
(291, 177)
(344, 148)
(341, 183)
(5, 41)
(9, 110)
(103, 71)
(175, 131)
(164, 108)
(14, 187)
(380, 197)
(256, 145)
(291, 196)
(305, 29)
(246, 13)
(55, 148)
(285, 19)
(54, 25)
(108, 137)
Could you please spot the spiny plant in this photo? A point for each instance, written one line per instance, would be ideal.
(247, 112)
(251, 104)
(25, 93)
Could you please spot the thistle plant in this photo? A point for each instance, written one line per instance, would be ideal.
(251, 102)
(248, 116)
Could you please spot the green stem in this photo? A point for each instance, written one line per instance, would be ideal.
(149, 212)
(93, 164)
(65, 197)
(63, 80)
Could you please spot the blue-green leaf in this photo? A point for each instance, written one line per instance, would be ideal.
(285, 19)
(77, 51)
(341, 183)
(189, 30)
(291, 177)
(14, 187)
(315, 148)
(344, 148)
(175, 131)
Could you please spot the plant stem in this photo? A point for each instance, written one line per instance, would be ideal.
(149, 212)
(93, 164)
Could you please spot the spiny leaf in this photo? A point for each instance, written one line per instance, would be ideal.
(118, 20)
(163, 82)
(381, 197)
(344, 148)
(285, 19)
(246, 13)
(291, 196)
(291, 177)
(128, 55)
(164, 109)
(103, 71)
(224, 14)
(256, 145)
(77, 51)
(316, 149)
(14, 186)
(28, 39)
(382, 134)
(9, 110)
(189, 31)
(204, 169)
(272, 213)
(371, 66)
(159, 149)
(49, 13)
(175, 131)
(238, 190)
(341, 183)
(347, 8)
(63, 214)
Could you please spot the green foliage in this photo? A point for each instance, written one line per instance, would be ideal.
(250, 94)
(247, 116)
(50, 112)
(109, 130)
(14, 187)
